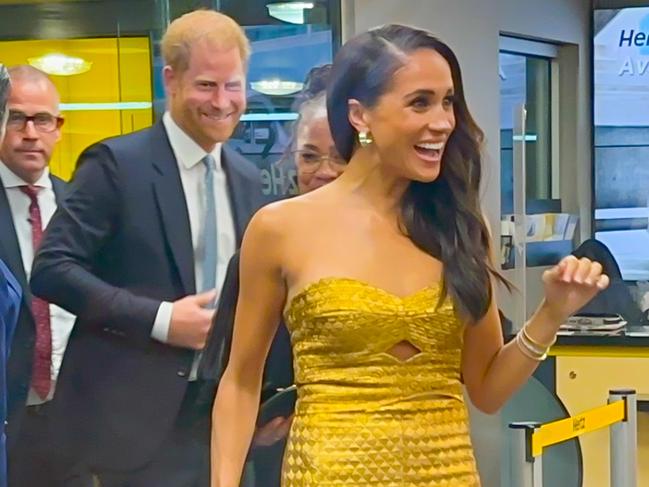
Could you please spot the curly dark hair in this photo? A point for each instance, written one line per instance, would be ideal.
(442, 217)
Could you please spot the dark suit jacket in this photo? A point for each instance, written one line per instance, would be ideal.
(120, 245)
(19, 369)
(278, 371)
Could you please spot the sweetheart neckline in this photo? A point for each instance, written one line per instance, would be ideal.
(318, 282)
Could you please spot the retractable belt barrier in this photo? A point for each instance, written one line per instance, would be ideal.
(530, 438)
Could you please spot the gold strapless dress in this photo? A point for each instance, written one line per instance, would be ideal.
(364, 417)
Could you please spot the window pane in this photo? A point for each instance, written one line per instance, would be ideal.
(621, 135)
(526, 93)
(282, 57)
(526, 80)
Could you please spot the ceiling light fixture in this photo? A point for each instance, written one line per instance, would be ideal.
(60, 64)
(276, 87)
(291, 12)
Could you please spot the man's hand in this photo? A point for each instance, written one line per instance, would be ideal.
(191, 320)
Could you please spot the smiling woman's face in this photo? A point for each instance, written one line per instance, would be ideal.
(413, 120)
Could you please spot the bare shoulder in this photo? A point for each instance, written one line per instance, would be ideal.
(268, 218)
(273, 217)
(274, 231)
(281, 216)
(275, 222)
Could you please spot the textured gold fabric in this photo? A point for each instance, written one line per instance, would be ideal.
(364, 417)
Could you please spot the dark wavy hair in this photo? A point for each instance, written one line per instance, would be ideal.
(442, 217)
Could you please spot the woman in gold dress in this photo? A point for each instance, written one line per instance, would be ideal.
(388, 293)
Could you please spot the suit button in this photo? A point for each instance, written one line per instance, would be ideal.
(181, 373)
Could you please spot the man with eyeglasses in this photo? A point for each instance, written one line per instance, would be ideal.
(28, 199)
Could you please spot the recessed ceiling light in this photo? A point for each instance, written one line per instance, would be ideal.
(60, 64)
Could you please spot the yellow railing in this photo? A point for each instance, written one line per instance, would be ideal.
(530, 439)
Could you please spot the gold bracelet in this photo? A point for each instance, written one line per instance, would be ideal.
(531, 340)
(530, 344)
(528, 351)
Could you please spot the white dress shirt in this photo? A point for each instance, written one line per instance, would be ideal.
(61, 321)
(192, 175)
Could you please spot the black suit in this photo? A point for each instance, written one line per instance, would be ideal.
(119, 246)
(19, 369)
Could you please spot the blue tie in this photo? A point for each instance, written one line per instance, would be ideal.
(210, 243)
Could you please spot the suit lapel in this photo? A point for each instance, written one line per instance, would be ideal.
(9, 248)
(172, 206)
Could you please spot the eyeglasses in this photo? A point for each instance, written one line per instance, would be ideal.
(43, 122)
(311, 161)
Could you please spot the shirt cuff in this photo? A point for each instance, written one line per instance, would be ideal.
(162, 323)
